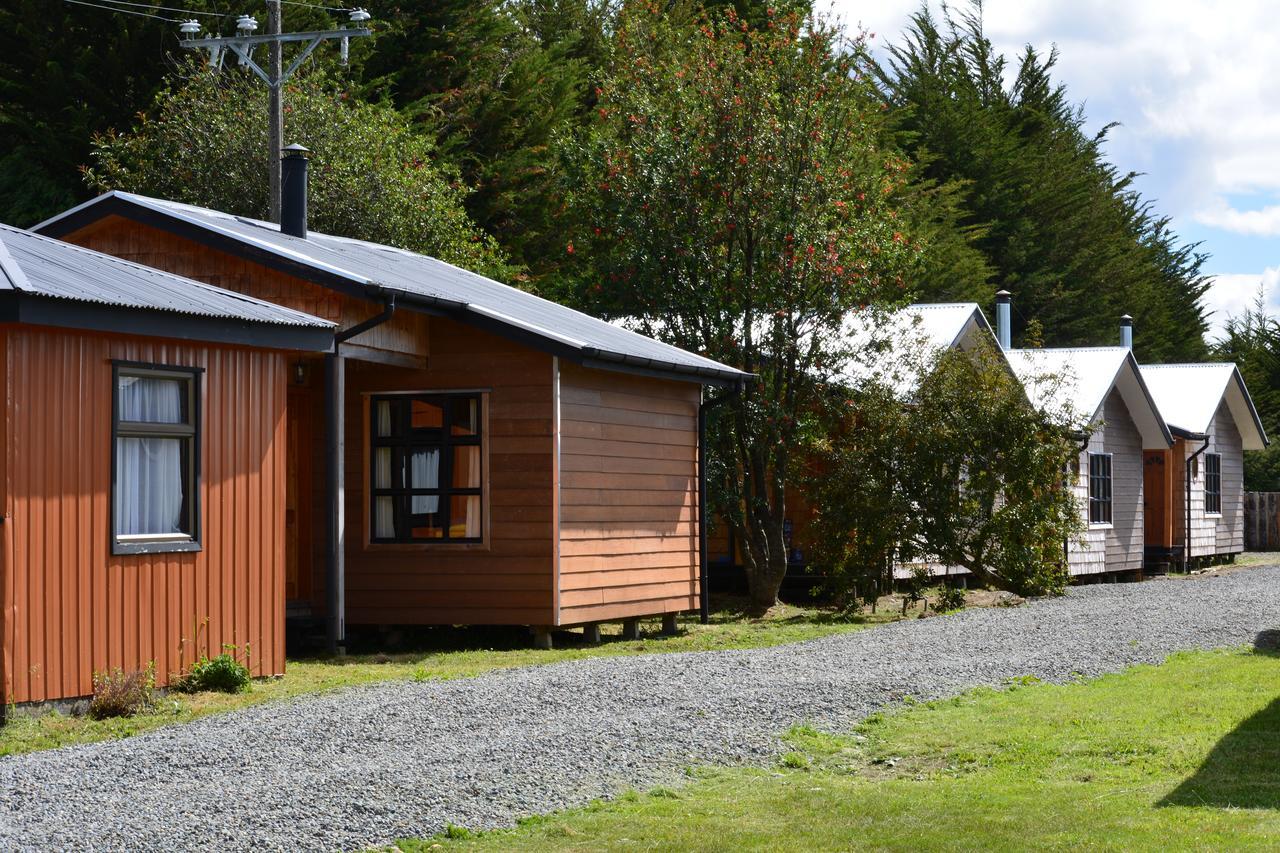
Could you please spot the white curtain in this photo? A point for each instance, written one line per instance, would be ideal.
(149, 470)
(384, 519)
(424, 473)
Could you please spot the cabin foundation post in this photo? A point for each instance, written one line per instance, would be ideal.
(591, 633)
(542, 638)
(631, 629)
(669, 627)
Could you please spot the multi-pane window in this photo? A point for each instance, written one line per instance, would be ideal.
(1213, 482)
(1099, 488)
(425, 471)
(155, 475)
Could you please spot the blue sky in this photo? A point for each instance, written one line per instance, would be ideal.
(1195, 87)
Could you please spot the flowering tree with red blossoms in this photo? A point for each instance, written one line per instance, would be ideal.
(741, 197)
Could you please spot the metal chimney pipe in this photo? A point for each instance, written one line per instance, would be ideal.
(1126, 332)
(1004, 330)
(293, 191)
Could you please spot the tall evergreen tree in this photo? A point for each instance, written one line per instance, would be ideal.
(1063, 230)
(1252, 342)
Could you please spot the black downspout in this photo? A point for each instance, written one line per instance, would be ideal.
(704, 592)
(336, 633)
(1186, 533)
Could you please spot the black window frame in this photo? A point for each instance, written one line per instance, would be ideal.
(1101, 497)
(401, 442)
(1213, 484)
(192, 431)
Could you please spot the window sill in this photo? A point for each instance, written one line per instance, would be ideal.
(1101, 525)
(1213, 515)
(426, 546)
(155, 546)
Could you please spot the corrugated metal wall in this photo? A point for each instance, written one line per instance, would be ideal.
(71, 608)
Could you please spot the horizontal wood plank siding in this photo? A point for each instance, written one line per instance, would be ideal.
(628, 496)
(1224, 533)
(72, 608)
(509, 578)
(1117, 547)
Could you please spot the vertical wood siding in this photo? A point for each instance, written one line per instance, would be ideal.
(1117, 547)
(72, 608)
(507, 579)
(628, 479)
(1219, 534)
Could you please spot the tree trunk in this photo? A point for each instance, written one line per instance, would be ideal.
(764, 560)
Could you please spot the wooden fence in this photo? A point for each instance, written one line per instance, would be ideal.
(1262, 521)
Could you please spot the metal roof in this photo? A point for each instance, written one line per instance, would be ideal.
(1075, 382)
(1189, 396)
(41, 266)
(896, 347)
(430, 283)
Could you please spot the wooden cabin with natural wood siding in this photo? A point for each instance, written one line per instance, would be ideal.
(89, 584)
(569, 496)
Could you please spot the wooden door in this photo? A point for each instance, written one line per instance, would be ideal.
(1155, 500)
(298, 512)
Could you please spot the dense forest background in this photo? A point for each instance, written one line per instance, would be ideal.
(496, 102)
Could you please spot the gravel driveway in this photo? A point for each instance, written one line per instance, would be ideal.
(368, 765)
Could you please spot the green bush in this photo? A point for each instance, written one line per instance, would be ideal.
(949, 598)
(120, 694)
(223, 674)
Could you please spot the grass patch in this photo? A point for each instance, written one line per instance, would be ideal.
(446, 653)
(1179, 756)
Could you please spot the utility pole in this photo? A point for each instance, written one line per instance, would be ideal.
(275, 127)
(276, 75)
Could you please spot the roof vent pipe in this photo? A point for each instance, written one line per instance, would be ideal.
(293, 191)
(1126, 332)
(1004, 333)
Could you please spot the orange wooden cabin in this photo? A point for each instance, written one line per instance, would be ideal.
(142, 471)
(504, 460)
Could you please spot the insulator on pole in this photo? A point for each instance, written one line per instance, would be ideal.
(189, 29)
(358, 16)
(246, 24)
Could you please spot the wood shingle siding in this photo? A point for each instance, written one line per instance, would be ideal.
(628, 496)
(71, 607)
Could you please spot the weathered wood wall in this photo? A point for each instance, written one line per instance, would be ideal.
(628, 495)
(1262, 521)
(71, 607)
(1222, 533)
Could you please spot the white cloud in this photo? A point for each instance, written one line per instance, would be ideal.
(1230, 294)
(1264, 222)
(1195, 83)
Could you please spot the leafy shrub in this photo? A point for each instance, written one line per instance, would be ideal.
(120, 694)
(222, 674)
(949, 598)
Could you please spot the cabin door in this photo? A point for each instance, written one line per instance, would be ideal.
(1155, 499)
(299, 511)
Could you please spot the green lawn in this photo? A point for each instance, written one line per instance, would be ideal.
(1181, 756)
(447, 653)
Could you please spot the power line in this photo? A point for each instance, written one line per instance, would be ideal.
(166, 9)
(123, 11)
(315, 6)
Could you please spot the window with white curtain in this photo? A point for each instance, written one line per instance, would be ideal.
(425, 471)
(154, 506)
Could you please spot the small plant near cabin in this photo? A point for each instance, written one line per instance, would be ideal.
(120, 694)
(222, 674)
(457, 833)
(949, 598)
